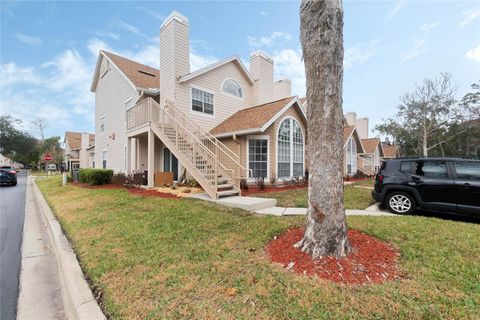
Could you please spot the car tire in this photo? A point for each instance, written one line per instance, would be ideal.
(399, 202)
(14, 183)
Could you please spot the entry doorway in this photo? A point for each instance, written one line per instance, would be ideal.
(170, 163)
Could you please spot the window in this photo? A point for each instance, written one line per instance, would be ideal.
(104, 159)
(258, 157)
(431, 169)
(232, 87)
(468, 170)
(202, 101)
(405, 166)
(351, 157)
(102, 124)
(290, 149)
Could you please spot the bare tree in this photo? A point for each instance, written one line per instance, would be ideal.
(321, 34)
(425, 114)
(40, 124)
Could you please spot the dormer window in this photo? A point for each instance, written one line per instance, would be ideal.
(232, 87)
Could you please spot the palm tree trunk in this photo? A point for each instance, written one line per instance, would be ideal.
(322, 44)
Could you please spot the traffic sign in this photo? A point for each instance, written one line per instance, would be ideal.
(47, 157)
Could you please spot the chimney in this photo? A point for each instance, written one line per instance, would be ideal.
(174, 53)
(282, 89)
(351, 118)
(362, 128)
(261, 69)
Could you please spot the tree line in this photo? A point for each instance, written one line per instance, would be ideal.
(431, 122)
(20, 146)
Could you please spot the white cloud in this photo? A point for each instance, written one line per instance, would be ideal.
(268, 41)
(429, 26)
(473, 54)
(130, 28)
(417, 48)
(95, 45)
(108, 34)
(469, 16)
(30, 40)
(12, 74)
(157, 15)
(357, 55)
(289, 64)
(198, 61)
(394, 10)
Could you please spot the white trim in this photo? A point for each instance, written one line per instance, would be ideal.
(175, 15)
(239, 132)
(218, 64)
(125, 102)
(291, 148)
(283, 110)
(257, 137)
(200, 113)
(97, 70)
(229, 94)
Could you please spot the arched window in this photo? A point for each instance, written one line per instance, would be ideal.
(290, 149)
(232, 87)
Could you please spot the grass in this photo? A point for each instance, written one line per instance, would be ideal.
(354, 198)
(365, 183)
(186, 259)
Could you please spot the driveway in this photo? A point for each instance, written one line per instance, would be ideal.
(12, 214)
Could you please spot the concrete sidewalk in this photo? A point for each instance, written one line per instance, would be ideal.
(52, 285)
(373, 210)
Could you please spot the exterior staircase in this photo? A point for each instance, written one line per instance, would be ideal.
(212, 164)
(365, 166)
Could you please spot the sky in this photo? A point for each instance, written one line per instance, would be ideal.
(49, 49)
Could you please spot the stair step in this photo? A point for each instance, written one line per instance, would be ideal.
(227, 193)
(224, 186)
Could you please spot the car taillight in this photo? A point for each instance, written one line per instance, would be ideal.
(380, 178)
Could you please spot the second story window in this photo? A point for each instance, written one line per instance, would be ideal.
(102, 124)
(232, 87)
(202, 101)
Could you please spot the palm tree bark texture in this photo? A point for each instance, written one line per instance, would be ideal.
(321, 35)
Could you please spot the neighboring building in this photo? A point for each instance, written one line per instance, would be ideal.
(390, 151)
(352, 146)
(218, 124)
(371, 158)
(76, 154)
(5, 161)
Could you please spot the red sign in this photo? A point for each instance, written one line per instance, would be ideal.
(47, 157)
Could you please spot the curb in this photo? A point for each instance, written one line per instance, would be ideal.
(79, 302)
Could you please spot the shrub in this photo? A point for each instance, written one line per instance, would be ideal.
(243, 185)
(120, 179)
(273, 179)
(95, 177)
(260, 181)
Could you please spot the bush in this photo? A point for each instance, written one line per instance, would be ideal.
(120, 179)
(260, 181)
(243, 185)
(95, 177)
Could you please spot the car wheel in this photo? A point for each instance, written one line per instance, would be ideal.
(14, 183)
(400, 203)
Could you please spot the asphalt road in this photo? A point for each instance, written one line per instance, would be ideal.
(12, 214)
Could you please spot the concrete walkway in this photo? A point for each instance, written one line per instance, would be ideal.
(267, 206)
(52, 285)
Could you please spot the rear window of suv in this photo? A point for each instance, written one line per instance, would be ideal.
(431, 169)
(468, 170)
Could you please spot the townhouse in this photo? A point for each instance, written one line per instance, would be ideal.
(78, 150)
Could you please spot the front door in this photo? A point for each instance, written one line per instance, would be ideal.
(467, 182)
(435, 185)
(170, 163)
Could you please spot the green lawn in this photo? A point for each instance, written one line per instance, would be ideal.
(365, 183)
(354, 198)
(164, 258)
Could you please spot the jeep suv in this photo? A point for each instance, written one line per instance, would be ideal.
(432, 184)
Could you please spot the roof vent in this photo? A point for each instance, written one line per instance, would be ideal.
(147, 73)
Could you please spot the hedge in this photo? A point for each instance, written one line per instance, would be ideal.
(95, 177)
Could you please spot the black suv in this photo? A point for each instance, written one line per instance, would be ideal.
(432, 184)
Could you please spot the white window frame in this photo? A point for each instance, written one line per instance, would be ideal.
(291, 148)
(103, 120)
(247, 164)
(203, 114)
(352, 155)
(229, 94)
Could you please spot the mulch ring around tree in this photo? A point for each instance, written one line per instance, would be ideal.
(371, 260)
(132, 190)
(268, 189)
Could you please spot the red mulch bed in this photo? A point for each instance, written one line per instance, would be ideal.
(371, 260)
(256, 190)
(133, 190)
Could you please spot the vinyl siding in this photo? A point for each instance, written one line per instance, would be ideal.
(111, 93)
(224, 104)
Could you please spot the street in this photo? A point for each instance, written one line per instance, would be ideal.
(12, 214)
